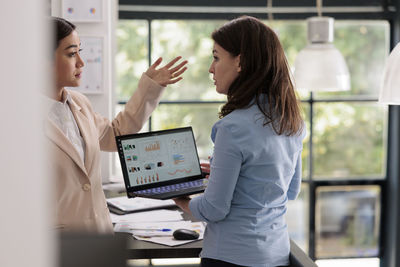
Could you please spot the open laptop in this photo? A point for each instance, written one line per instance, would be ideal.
(161, 164)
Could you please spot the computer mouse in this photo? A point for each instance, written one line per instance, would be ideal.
(185, 234)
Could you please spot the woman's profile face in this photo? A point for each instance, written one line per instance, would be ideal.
(68, 62)
(225, 69)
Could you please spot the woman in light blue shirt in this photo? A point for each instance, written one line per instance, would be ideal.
(256, 165)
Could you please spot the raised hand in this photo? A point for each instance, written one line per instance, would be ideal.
(167, 74)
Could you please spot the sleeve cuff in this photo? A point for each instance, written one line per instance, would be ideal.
(148, 92)
(150, 85)
(193, 206)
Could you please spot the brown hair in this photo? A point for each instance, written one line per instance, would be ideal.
(264, 74)
(62, 28)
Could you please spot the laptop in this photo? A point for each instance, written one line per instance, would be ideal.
(161, 164)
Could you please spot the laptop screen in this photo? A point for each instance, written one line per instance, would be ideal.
(158, 158)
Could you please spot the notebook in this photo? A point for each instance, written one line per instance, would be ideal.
(161, 164)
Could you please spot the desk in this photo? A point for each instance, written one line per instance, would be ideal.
(138, 249)
(88, 249)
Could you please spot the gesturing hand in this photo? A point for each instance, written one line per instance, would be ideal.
(167, 74)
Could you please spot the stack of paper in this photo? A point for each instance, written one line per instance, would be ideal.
(148, 216)
(156, 225)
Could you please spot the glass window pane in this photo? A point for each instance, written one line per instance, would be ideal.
(200, 116)
(364, 44)
(347, 221)
(349, 140)
(191, 40)
(132, 56)
(297, 218)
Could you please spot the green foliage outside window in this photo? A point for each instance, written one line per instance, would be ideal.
(364, 45)
(132, 56)
(191, 40)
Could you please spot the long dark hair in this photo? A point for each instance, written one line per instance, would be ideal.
(264, 74)
(62, 28)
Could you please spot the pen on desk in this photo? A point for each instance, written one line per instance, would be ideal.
(149, 229)
(150, 236)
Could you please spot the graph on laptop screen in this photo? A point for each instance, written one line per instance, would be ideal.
(160, 158)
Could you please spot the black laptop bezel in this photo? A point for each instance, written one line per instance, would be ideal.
(131, 190)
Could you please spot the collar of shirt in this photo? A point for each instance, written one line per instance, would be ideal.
(66, 98)
(50, 103)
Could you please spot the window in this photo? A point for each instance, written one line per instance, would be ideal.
(344, 156)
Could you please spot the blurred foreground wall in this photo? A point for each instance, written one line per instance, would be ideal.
(25, 237)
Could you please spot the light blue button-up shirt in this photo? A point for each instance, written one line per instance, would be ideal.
(254, 172)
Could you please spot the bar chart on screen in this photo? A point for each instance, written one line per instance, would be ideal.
(178, 158)
(153, 146)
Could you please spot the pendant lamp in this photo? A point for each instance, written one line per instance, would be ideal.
(320, 66)
(390, 89)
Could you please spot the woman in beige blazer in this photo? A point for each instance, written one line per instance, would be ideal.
(76, 133)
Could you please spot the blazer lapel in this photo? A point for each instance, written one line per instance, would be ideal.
(55, 134)
(85, 130)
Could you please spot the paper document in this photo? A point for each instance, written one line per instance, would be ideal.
(148, 216)
(160, 232)
(138, 203)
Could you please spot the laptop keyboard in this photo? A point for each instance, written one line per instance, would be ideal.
(175, 187)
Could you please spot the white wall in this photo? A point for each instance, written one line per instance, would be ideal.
(104, 103)
(25, 238)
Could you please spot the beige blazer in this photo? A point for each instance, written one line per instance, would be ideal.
(80, 204)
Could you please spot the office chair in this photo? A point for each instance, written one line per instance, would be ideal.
(298, 258)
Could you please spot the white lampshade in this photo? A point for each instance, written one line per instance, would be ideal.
(320, 66)
(390, 90)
